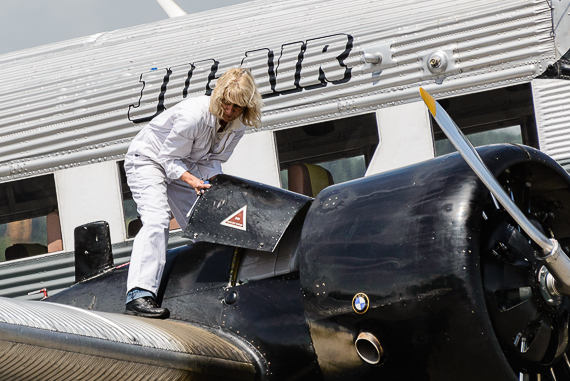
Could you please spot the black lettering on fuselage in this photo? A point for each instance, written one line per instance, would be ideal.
(266, 78)
(296, 70)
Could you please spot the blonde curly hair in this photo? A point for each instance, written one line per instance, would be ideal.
(238, 86)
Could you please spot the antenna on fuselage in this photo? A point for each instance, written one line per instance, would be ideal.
(171, 8)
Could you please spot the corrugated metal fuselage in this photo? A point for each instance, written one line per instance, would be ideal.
(74, 103)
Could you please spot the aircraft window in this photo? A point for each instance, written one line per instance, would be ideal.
(133, 222)
(314, 156)
(504, 135)
(341, 170)
(347, 168)
(29, 221)
(496, 116)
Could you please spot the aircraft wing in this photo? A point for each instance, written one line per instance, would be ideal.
(47, 341)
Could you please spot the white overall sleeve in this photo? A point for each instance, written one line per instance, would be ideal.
(178, 145)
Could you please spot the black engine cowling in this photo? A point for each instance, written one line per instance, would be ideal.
(450, 292)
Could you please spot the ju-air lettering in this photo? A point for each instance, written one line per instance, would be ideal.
(293, 69)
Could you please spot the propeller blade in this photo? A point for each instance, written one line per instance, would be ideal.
(171, 8)
(472, 158)
(552, 257)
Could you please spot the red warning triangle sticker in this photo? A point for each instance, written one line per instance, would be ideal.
(237, 220)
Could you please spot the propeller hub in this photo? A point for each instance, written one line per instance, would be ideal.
(547, 288)
(529, 314)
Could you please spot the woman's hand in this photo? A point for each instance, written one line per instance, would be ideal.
(194, 182)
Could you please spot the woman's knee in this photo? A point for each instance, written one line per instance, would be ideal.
(157, 221)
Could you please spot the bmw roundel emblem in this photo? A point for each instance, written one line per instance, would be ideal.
(360, 303)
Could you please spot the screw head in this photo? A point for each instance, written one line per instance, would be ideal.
(435, 62)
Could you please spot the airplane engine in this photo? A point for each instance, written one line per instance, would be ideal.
(420, 274)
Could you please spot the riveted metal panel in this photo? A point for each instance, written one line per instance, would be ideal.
(553, 118)
(67, 104)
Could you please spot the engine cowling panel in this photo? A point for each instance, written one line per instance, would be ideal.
(411, 242)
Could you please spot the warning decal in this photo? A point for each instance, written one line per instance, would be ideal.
(237, 220)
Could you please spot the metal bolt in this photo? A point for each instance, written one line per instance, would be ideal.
(435, 62)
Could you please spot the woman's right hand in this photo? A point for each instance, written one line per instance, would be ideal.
(194, 182)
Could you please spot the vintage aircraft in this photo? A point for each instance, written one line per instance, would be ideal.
(339, 81)
(428, 272)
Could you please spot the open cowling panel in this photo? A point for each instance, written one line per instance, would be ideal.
(243, 213)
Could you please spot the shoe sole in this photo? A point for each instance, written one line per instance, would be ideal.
(165, 315)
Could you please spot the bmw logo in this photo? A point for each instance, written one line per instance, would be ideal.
(360, 303)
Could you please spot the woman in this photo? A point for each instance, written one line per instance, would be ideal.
(167, 164)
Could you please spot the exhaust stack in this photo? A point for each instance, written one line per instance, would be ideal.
(369, 349)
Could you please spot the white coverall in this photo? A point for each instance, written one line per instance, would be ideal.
(182, 138)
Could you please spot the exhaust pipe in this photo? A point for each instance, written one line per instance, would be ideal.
(369, 349)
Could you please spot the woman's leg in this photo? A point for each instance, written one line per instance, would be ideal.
(147, 182)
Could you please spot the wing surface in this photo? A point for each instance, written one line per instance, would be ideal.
(48, 341)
